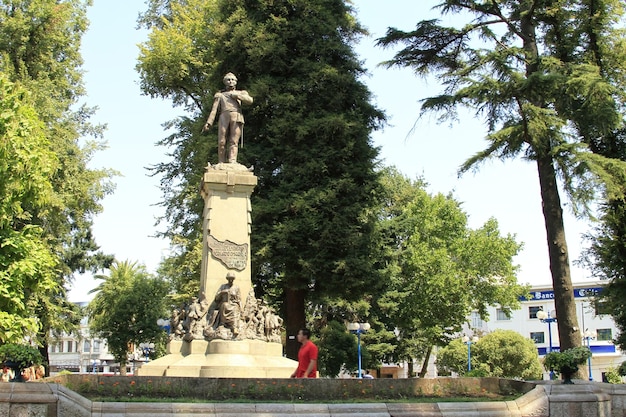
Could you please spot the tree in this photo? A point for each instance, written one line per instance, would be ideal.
(522, 66)
(438, 270)
(126, 307)
(502, 353)
(307, 137)
(606, 255)
(40, 51)
(27, 265)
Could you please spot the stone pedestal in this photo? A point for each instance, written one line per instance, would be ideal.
(226, 224)
(226, 220)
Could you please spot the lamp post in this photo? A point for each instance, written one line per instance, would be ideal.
(96, 362)
(549, 318)
(469, 342)
(588, 337)
(357, 329)
(164, 324)
(146, 348)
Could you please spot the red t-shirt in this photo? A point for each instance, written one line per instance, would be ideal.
(307, 353)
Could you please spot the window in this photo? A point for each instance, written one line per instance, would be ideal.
(70, 346)
(605, 334)
(601, 308)
(532, 311)
(476, 321)
(538, 337)
(501, 315)
(96, 346)
(53, 348)
(86, 346)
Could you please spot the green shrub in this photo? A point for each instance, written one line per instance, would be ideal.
(567, 362)
(613, 376)
(21, 355)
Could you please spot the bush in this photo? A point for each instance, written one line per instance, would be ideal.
(567, 362)
(22, 356)
(612, 376)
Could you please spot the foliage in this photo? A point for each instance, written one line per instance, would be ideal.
(530, 70)
(502, 353)
(613, 376)
(567, 361)
(337, 350)
(27, 266)
(622, 369)
(453, 358)
(437, 269)
(307, 136)
(126, 307)
(21, 355)
(40, 52)
(508, 354)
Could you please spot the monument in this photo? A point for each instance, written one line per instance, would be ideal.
(225, 331)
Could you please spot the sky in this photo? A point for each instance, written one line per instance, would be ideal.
(507, 191)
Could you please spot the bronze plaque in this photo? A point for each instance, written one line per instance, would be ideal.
(232, 255)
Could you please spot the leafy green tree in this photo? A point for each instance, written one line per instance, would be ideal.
(524, 67)
(27, 265)
(40, 51)
(307, 136)
(438, 269)
(502, 353)
(126, 307)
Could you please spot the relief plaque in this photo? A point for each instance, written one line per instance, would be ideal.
(232, 255)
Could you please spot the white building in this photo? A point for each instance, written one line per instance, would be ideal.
(599, 328)
(85, 353)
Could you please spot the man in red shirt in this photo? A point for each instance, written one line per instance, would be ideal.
(307, 356)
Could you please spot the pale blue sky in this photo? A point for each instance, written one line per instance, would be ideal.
(508, 190)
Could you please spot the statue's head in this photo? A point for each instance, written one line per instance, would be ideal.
(230, 277)
(229, 78)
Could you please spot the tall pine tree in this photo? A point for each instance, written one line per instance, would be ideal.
(523, 66)
(307, 136)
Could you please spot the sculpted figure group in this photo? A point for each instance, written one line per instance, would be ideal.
(226, 318)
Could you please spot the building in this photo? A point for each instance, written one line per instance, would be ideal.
(85, 353)
(598, 329)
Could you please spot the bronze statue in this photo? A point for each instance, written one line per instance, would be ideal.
(230, 121)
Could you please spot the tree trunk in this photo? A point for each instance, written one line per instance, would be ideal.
(410, 368)
(424, 369)
(43, 349)
(567, 321)
(295, 319)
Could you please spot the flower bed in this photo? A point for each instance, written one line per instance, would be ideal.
(307, 390)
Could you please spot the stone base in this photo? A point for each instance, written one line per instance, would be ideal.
(221, 359)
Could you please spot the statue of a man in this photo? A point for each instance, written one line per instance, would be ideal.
(230, 121)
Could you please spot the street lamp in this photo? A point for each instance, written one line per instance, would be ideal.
(589, 335)
(146, 348)
(469, 342)
(549, 318)
(357, 329)
(96, 362)
(164, 324)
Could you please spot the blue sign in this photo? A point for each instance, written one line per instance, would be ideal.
(549, 295)
(594, 349)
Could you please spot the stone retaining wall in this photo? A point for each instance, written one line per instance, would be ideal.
(545, 400)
